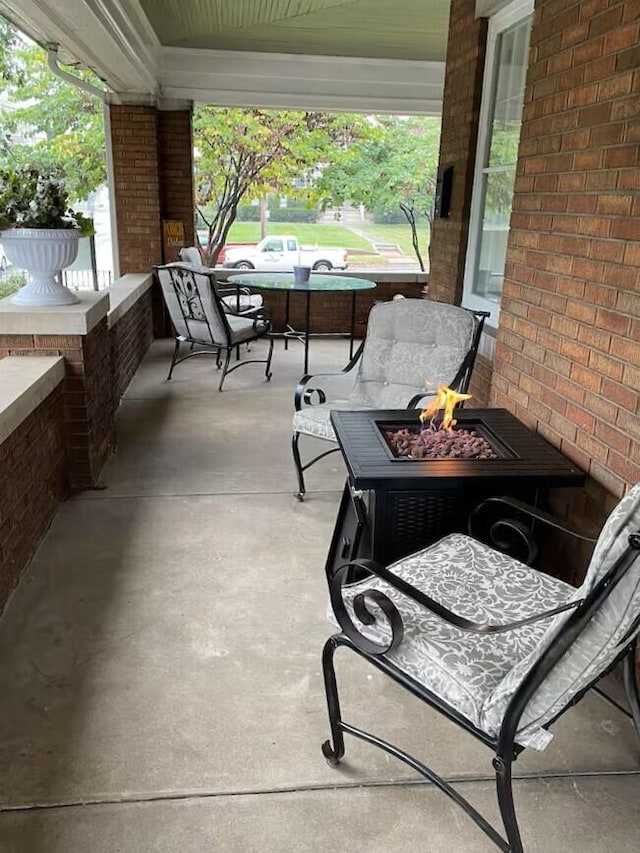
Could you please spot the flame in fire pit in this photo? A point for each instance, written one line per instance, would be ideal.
(446, 399)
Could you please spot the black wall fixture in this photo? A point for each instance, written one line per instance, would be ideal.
(443, 193)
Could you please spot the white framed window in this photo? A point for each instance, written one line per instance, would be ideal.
(507, 59)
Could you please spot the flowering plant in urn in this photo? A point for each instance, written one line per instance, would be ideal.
(39, 233)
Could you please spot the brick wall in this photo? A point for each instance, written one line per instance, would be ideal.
(460, 115)
(96, 419)
(33, 477)
(130, 338)
(134, 145)
(480, 385)
(87, 397)
(568, 347)
(175, 156)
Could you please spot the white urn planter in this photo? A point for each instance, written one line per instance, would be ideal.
(43, 253)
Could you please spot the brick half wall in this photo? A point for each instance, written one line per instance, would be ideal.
(33, 474)
(130, 338)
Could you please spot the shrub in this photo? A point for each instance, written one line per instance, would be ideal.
(11, 282)
(31, 200)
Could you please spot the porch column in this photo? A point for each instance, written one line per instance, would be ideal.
(175, 159)
(460, 117)
(152, 179)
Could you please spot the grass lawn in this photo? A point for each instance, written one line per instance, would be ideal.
(333, 235)
(401, 236)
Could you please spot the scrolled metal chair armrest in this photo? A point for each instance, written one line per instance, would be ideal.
(261, 325)
(361, 611)
(502, 526)
(393, 616)
(303, 395)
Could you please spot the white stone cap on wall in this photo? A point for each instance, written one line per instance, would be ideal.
(76, 319)
(25, 381)
(125, 292)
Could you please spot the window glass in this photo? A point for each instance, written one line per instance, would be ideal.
(273, 246)
(292, 246)
(503, 97)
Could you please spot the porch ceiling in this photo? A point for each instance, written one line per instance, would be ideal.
(368, 55)
(409, 29)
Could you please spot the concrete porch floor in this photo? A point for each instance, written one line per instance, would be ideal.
(160, 663)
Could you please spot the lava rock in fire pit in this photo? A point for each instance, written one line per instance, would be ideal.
(429, 443)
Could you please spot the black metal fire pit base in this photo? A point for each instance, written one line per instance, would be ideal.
(391, 508)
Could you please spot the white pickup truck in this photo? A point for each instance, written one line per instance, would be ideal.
(283, 253)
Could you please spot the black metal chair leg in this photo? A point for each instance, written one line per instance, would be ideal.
(225, 367)
(267, 370)
(504, 786)
(333, 750)
(174, 358)
(631, 685)
(298, 463)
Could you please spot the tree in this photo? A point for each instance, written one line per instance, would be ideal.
(394, 168)
(49, 124)
(244, 154)
(9, 70)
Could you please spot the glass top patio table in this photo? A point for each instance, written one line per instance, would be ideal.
(317, 283)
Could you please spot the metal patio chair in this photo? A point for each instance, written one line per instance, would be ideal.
(500, 649)
(201, 320)
(237, 299)
(408, 342)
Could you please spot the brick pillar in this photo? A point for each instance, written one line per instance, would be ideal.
(175, 155)
(134, 146)
(460, 115)
(153, 180)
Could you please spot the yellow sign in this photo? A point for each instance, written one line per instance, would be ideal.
(173, 238)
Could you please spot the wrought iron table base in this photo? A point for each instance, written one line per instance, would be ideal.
(303, 335)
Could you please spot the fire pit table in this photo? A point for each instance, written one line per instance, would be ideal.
(394, 505)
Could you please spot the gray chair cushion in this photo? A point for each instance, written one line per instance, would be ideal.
(409, 342)
(316, 420)
(478, 583)
(242, 328)
(191, 255)
(479, 675)
(240, 302)
(598, 645)
(211, 328)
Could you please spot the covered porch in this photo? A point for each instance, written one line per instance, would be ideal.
(160, 657)
(160, 663)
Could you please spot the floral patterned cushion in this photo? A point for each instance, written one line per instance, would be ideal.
(479, 584)
(316, 421)
(598, 645)
(409, 342)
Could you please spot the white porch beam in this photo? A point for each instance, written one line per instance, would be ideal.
(292, 81)
(113, 38)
